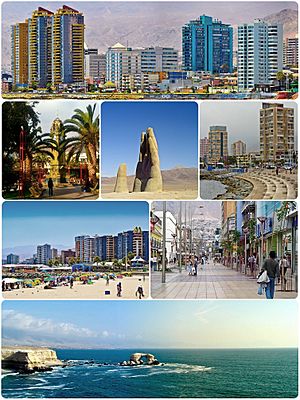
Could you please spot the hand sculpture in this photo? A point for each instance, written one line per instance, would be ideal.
(148, 176)
(121, 181)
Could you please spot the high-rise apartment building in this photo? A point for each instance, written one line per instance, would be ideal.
(260, 53)
(79, 246)
(40, 47)
(12, 259)
(290, 52)
(54, 253)
(19, 53)
(49, 48)
(88, 249)
(218, 143)
(207, 45)
(238, 148)
(43, 253)
(204, 148)
(277, 132)
(159, 59)
(67, 46)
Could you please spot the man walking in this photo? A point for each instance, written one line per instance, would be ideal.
(50, 187)
(272, 267)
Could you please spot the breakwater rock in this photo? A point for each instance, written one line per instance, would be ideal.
(27, 359)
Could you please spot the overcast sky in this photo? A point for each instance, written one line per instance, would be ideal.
(240, 117)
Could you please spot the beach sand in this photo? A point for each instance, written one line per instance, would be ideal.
(80, 291)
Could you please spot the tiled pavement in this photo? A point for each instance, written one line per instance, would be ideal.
(214, 282)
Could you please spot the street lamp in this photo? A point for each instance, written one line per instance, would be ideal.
(262, 222)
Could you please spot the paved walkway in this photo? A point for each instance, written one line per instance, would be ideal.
(268, 185)
(69, 192)
(214, 282)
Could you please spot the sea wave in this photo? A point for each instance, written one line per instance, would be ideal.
(169, 368)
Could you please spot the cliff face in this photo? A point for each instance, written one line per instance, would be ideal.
(29, 359)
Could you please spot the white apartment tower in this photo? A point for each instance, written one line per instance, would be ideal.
(43, 253)
(260, 53)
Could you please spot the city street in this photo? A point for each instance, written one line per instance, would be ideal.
(214, 282)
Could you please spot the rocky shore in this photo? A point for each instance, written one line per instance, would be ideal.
(236, 187)
(29, 359)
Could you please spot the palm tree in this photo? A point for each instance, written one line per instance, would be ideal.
(35, 145)
(86, 125)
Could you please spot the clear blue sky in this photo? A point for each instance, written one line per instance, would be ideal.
(37, 222)
(152, 324)
(175, 126)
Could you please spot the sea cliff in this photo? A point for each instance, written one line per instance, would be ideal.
(29, 359)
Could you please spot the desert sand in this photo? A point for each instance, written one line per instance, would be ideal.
(178, 183)
(80, 291)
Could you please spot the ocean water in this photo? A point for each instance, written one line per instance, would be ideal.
(185, 373)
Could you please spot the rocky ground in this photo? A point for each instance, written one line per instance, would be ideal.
(236, 189)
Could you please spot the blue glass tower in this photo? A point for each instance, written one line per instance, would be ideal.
(207, 45)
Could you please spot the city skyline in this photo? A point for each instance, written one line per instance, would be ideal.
(68, 324)
(168, 21)
(241, 120)
(66, 220)
(169, 121)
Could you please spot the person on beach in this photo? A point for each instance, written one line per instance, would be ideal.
(107, 280)
(272, 267)
(71, 282)
(119, 289)
(140, 291)
(50, 187)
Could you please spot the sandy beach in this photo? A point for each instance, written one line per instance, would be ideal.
(81, 291)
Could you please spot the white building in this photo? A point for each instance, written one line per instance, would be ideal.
(121, 60)
(43, 253)
(171, 234)
(89, 249)
(260, 53)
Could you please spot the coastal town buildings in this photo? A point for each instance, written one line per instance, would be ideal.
(260, 53)
(125, 63)
(111, 247)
